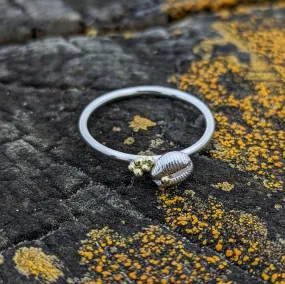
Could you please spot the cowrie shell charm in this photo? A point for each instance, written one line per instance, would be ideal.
(171, 169)
(168, 170)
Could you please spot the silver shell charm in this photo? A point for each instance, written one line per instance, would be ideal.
(171, 169)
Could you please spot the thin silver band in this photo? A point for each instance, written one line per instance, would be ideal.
(138, 91)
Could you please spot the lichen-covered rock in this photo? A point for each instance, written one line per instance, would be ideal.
(70, 215)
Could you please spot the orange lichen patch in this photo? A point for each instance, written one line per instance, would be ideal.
(253, 140)
(178, 9)
(244, 8)
(266, 40)
(225, 186)
(240, 236)
(141, 123)
(150, 256)
(129, 141)
(34, 262)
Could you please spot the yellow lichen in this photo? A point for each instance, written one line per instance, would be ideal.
(225, 186)
(141, 123)
(150, 256)
(129, 141)
(91, 31)
(128, 34)
(155, 143)
(177, 32)
(278, 206)
(116, 129)
(1, 259)
(32, 261)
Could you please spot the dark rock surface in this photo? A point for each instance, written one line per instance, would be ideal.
(54, 189)
(23, 20)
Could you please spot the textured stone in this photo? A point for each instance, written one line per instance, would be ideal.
(55, 190)
(22, 20)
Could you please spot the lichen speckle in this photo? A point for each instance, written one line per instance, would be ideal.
(116, 129)
(129, 141)
(32, 261)
(1, 259)
(156, 143)
(225, 186)
(91, 31)
(278, 206)
(140, 123)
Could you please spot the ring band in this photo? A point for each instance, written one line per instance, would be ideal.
(158, 91)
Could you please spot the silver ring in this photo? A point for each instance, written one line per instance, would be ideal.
(168, 169)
